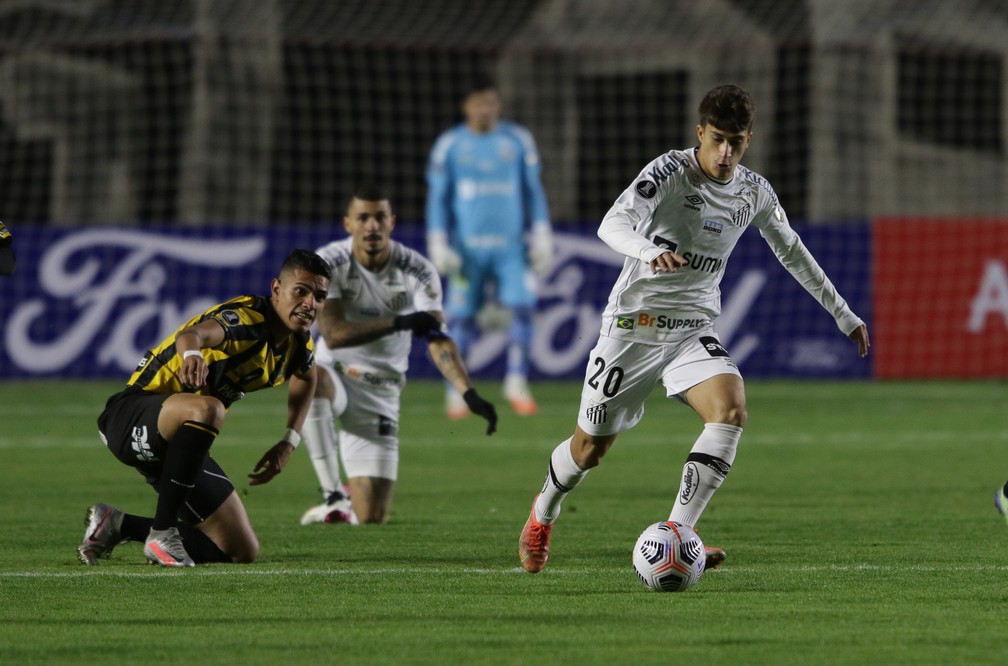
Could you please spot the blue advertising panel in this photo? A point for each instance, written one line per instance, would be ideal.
(87, 303)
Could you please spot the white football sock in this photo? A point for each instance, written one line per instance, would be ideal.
(564, 474)
(706, 468)
(320, 439)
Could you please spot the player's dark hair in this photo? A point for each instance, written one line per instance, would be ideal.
(478, 83)
(308, 261)
(367, 192)
(728, 108)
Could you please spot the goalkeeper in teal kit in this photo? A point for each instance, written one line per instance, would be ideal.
(487, 225)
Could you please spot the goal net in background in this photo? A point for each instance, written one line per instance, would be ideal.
(259, 111)
(254, 113)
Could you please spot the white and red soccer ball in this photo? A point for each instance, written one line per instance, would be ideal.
(669, 557)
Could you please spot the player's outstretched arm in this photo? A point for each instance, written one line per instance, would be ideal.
(445, 354)
(300, 391)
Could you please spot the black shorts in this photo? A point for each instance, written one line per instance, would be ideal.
(128, 426)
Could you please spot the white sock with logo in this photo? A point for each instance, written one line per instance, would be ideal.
(705, 470)
(564, 474)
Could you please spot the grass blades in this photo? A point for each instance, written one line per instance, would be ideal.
(858, 520)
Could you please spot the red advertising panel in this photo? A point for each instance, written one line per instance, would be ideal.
(941, 298)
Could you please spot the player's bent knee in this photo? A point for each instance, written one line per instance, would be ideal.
(246, 552)
(729, 412)
(731, 415)
(210, 411)
(229, 527)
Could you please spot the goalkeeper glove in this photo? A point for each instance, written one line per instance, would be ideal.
(541, 248)
(445, 259)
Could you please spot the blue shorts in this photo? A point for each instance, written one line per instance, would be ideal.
(503, 267)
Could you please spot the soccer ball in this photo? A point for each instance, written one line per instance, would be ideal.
(669, 557)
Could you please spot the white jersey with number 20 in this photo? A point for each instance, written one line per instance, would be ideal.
(674, 205)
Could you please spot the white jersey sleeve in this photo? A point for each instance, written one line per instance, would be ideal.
(618, 231)
(796, 258)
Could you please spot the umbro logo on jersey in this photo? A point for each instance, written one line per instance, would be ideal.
(625, 323)
(646, 189)
(693, 202)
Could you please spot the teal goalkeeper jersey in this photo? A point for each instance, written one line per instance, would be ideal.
(484, 188)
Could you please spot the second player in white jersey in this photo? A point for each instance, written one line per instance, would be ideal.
(383, 296)
(407, 283)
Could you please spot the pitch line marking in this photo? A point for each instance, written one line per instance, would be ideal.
(558, 570)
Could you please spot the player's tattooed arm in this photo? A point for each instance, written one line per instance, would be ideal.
(446, 356)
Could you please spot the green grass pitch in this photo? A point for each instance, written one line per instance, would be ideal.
(858, 521)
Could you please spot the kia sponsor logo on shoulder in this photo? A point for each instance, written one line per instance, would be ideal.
(646, 189)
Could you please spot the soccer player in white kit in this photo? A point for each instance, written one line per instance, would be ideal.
(677, 224)
(382, 295)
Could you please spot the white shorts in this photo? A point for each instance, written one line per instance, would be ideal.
(369, 424)
(622, 374)
(365, 457)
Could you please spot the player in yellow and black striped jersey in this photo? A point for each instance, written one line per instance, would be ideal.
(244, 362)
(166, 419)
